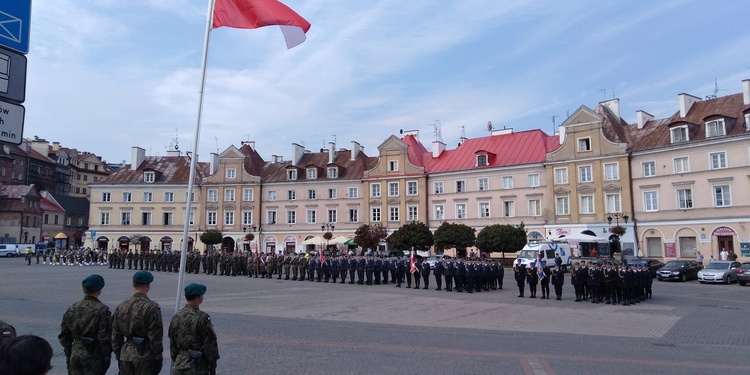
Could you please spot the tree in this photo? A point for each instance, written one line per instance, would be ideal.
(410, 236)
(501, 238)
(211, 237)
(458, 236)
(369, 236)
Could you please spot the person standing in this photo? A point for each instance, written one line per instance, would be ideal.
(699, 258)
(558, 279)
(7, 332)
(26, 354)
(439, 269)
(192, 340)
(532, 278)
(86, 331)
(545, 279)
(137, 330)
(724, 254)
(426, 274)
(520, 275)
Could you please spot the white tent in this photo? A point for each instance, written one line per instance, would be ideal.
(340, 240)
(580, 237)
(314, 241)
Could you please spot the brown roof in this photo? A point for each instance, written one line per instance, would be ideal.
(348, 169)
(253, 161)
(169, 170)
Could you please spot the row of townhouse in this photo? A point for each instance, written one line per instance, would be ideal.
(678, 185)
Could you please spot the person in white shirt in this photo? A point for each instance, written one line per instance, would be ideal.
(699, 257)
(724, 254)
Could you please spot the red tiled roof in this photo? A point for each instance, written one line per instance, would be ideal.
(48, 205)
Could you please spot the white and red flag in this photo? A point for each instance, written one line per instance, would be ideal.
(252, 14)
(412, 267)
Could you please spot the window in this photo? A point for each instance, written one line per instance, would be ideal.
(562, 206)
(412, 213)
(681, 165)
(353, 215)
(534, 180)
(584, 174)
(684, 199)
(508, 182)
(392, 165)
(460, 210)
(125, 218)
(584, 144)
(651, 201)
(333, 216)
(231, 173)
(85, 177)
(718, 160)
(191, 219)
(311, 216)
(483, 184)
(46, 218)
(312, 174)
(332, 194)
(149, 177)
(587, 204)
(611, 171)
(481, 160)
(375, 214)
(311, 194)
(722, 196)
(679, 134)
(271, 217)
(649, 168)
(437, 187)
(715, 128)
(272, 195)
(333, 172)
(393, 213)
(291, 195)
(535, 207)
(375, 190)
(393, 189)
(148, 196)
(106, 197)
(411, 187)
(213, 195)
(291, 174)
(127, 197)
(561, 176)
(168, 196)
(353, 192)
(247, 217)
(167, 218)
(211, 218)
(439, 212)
(229, 195)
(104, 218)
(613, 203)
(484, 210)
(291, 217)
(460, 186)
(247, 194)
(145, 218)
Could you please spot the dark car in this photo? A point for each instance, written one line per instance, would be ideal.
(682, 270)
(743, 274)
(653, 265)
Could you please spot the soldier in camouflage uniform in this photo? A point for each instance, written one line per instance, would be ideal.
(192, 340)
(86, 331)
(137, 330)
(7, 332)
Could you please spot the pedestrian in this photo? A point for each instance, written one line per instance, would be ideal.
(699, 258)
(86, 331)
(712, 259)
(25, 355)
(724, 254)
(137, 330)
(192, 340)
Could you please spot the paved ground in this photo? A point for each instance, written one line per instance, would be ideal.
(290, 327)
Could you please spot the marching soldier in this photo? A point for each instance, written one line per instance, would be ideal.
(192, 340)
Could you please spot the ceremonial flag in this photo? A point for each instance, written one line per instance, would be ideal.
(412, 267)
(322, 256)
(540, 268)
(252, 14)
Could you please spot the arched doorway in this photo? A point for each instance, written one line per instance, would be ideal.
(290, 245)
(144, 245)
(227, 244)
(269, 245)
(165, 243)
(102, 243)
(724, 239)
(124, 243)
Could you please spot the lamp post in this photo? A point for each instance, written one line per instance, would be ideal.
(617, 230)
(327, 229)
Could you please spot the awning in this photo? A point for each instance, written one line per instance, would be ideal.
(350, 242)
(61, 236)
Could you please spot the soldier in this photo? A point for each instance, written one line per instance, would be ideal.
(532, 278)
(439, 268)
(138, 319)
(293, 265)
(302, 266)
(558, 279)
(544, 280)
(7, 332)
(594, 279)
(415, 275)
(361, 265)
(279, 264)
(130, 260)
(377, 270)
(399, 272)
(459, 271)
(270, 263)
(287, 267)
(27, 354)
(86, 331)
(500, 274)
(352, 269)
(520, 275)
(426, 274)
(385, 268)
(369, 269)
(449, 268)
(343, 267)
(192, 340)
(609, 276)
(334, 268)
(470, 274)
(576, 278)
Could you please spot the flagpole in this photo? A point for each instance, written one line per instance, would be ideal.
(194, 160)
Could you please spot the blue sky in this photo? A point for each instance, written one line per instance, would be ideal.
(107, 75)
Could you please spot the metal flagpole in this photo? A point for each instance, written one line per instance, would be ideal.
(194, 161)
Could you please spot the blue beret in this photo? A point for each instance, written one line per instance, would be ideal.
(93, 283)
(143, 277)
(195, 289)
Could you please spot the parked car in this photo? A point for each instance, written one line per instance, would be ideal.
(682, 270)
(719, 271)
(8, 251)
(432, 259)
(653, 265)
(743, 274)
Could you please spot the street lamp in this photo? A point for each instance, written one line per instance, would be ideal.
(327, 229)
(617, 230)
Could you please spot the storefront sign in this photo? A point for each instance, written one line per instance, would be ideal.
(723, 231)
(670, 251)
(745, 249)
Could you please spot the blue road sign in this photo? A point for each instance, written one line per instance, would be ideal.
(15, 22)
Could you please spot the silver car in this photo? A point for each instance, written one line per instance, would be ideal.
(719, 271)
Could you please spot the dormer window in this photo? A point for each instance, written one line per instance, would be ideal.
(231, 173)
(149, 177)
(333, 172)
(715, 128)
(392, 165)
(584, 144)
(679, 134)
(291, 174)
(312, 173)
(481, 160)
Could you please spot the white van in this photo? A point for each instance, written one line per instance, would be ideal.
(8, 250)
(528, 254)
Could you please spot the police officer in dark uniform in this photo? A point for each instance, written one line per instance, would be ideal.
(426, 274)
(532, 278)
(519, 270)
(352, 269)
(450, 266)
(386, 267)
(439, 269)
(558, 279)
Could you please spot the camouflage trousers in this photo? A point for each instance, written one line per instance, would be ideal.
(88, 366)
(150, 367)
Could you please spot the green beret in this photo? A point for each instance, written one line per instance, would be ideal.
(93, 283)
(194, 290)
(143, 277)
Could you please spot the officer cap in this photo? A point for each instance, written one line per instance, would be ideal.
(143, 277)
(194, 290)
(93, 283)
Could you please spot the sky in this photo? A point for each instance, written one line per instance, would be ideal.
(107, 75)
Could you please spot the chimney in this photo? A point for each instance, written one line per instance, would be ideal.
(213, 164)
(642, 117)
(415, 133)
(437, 148)
(251, 144)
(561, 133)
(613, 105)
(502, 131)
(687, 101)
(746, 91)
(355, 150)
(137, 156)
(297, 152)
(331, 152)
(40, 145)
(55, 146)
(173, 152)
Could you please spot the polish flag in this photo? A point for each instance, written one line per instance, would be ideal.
(412, 267)
(252, 14)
